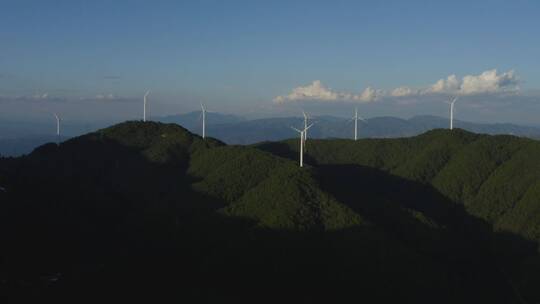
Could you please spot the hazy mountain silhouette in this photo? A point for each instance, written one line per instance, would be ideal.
(25, 144)
(192, 120)
(235, 130)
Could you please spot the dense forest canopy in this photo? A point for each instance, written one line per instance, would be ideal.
(447, 216)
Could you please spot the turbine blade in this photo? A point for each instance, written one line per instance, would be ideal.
(296, 130)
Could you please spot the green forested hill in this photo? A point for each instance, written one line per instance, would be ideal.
(494, 177)
(149, 208)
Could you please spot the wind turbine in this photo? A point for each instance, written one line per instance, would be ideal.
(302, 138)
(144, 105)
(356, 117)
(305, 125)
(203, 115)
(57, 128)
(452, 102)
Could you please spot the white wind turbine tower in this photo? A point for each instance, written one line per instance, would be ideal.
(144, 105)
(57, 127)
(302, 138)
(306, 117)
(203, 115)
(356, 118)
(452, 102)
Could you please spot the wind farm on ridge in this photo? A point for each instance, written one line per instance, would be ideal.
(270, 152)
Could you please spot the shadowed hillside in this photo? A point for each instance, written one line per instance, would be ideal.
(149, 208)
(491, 178)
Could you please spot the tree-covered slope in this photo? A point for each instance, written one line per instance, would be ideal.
(151, 207)
(495, 179)
(490, 175)
(274, 191)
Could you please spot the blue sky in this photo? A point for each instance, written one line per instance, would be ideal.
(240, 55)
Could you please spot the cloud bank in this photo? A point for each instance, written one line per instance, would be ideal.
(110, 98)
(317, 91)
(487, 83)
(34, 98)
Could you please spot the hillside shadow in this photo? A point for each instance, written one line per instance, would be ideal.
(421, 217)
(283, 149)
(84, 201)
(100, 219)
(385, 198)
(391, 200)
(279, 148)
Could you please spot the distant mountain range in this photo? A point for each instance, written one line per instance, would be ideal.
(25, 144)
(192, 120)
(236, 130)
(233, 129)
(18, 137)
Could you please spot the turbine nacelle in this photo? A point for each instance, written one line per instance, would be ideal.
(303, 130)
(306, 121)
(299, 131)
(358, 118)
(452, 100)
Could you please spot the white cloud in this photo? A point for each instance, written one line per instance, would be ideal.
(369, 94)
(450, 85)
(34, 98)
(488, 82)
(316, 91)
(109, 98)
(40, 96)
(106, 96)
(319, 92)
(403, 91)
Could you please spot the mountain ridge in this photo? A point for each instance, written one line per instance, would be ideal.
(233, 129)
(370, 213)
(278, 128)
